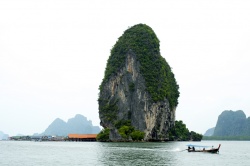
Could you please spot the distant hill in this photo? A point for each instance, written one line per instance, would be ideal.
(209, 132)
(232, 123)
(77, 125)
(3, 136)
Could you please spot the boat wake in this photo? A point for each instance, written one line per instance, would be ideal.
(174, 150)
(149, 149)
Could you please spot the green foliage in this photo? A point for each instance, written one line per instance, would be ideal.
(159, 79)
(103, 136)
(120, 123)
(125, 131)
(137, 135)
(108, 110)
(181, 133)
(195, 136)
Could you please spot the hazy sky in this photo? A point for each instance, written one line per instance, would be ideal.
(53, 55)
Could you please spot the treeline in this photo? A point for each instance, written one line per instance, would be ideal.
(181, 133)
(227, 138)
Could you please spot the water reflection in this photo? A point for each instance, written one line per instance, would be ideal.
(27, 153)
(136, 154)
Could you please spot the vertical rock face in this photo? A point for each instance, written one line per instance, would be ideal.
(139, 87)
(231, 123)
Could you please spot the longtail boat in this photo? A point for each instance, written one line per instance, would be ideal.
(191, 148)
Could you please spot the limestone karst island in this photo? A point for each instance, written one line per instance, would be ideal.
(139, 94)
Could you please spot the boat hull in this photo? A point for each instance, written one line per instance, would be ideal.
(216, 150)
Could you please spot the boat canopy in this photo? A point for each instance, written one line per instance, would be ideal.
(198, 146)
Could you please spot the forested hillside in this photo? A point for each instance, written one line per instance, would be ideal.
(232, 123)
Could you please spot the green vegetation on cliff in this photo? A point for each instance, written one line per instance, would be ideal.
(178, 133)
(103, 136)
(126, 132)
(143, 42)
(181, 133)
(108, 110)
(137, 135)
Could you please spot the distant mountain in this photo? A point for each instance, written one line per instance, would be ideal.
(232, 123)
(77, 125)
(3, 136)
(57, 127)
(209, 132)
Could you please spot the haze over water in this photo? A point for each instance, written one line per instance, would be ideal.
(96, 153)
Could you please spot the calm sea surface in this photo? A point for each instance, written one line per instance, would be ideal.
(235, 153)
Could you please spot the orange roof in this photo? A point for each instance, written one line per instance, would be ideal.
(82, 135)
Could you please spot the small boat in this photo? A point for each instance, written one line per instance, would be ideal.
(191, 148)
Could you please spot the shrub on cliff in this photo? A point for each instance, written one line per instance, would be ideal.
(103, 136)
(195, 136)
(125, 131)
(181, 133)
(129, 131)
(137, 135)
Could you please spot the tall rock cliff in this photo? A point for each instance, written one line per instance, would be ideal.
(232, 123)
(139, 90)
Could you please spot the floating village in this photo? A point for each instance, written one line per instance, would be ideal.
(70, 137)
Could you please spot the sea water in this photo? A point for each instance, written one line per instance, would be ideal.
(26, 153)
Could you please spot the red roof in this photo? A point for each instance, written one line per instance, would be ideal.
(87, 136)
